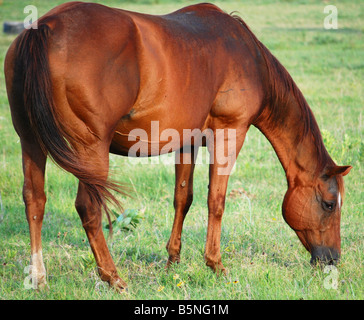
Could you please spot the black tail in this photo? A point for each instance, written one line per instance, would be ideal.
(32, 59)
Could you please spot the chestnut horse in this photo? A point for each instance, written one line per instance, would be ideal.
(88, 75)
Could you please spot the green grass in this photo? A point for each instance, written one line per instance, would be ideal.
(264, 257)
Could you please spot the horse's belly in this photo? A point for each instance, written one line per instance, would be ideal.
(159, 132)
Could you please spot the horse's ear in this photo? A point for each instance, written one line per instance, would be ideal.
(336, 170)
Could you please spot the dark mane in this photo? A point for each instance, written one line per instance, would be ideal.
(279, 97)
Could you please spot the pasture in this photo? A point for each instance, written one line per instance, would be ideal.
(263, 256)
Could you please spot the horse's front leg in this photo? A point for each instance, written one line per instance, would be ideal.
(183, 196)
(224, 151)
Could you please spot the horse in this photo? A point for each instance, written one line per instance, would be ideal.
(86, 76)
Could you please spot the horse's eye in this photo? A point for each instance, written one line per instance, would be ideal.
(328, 205)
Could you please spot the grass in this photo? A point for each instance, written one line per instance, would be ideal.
(262, 254)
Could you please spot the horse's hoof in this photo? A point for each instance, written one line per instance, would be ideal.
(43, 286)
(171, 260)
(119, 285)
(217, 267)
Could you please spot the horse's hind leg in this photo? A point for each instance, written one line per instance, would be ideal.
(34, 161)
(90, 212)
(183, 195)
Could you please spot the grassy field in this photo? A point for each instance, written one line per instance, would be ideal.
(264, 257)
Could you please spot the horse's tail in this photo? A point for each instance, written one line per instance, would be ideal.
(33, 64)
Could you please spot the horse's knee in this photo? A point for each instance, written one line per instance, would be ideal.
(183, 202)
(216, 207)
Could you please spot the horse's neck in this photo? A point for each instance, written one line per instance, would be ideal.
(293, 132)
(287, 121)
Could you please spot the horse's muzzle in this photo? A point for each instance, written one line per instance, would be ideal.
(324, 255)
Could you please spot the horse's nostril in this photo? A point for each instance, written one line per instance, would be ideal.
(325, 255)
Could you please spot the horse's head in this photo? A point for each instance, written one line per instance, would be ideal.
(313, 211)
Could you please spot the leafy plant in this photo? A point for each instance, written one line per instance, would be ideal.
(88, 261)
(126, 221)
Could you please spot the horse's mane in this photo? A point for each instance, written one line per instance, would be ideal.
(279, 97)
